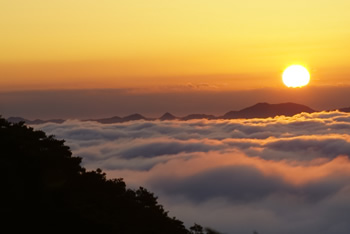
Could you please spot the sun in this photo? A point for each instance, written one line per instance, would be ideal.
(296, 76)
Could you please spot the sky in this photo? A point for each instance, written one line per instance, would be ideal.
(222, 45)
(88, 59)
(84, 59)
(275, 175)
(181, 101)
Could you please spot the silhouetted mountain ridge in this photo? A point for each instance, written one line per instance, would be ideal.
(259, 110)
(168, 116)
(36, 121)
(198, 116)
(114, 119)
(265, 110)
(346, 109)
(117, 119)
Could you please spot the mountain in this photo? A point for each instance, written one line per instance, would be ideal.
(198, 116)
(347, 109)
(264, 110)
(167, 116)
(36, 121)
(259, 110)
(17, 120)
(133, 117)
(117, 119)
(114, 119)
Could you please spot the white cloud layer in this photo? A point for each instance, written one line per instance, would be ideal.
(275, 175)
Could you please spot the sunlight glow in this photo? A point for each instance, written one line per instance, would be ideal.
(296, 76)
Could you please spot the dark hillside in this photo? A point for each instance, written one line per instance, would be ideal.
(45, 190)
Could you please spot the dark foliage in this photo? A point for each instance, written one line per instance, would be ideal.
(45, 190)
(198, 229)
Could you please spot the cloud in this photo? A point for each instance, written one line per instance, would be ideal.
(274, 175)
(236, 183)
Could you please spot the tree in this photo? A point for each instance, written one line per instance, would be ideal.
(211, 231)
(45, 189)
(197, 229)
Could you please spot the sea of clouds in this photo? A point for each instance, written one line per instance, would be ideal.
(277, 175)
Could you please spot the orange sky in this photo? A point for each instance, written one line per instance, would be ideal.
(122, 44)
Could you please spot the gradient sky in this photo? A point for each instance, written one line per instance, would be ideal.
(135, 44)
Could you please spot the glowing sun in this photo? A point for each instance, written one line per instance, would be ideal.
(296, 76)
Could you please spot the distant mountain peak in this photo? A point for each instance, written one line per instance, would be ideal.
(168, 116)
(265, 110)
(135, 116)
